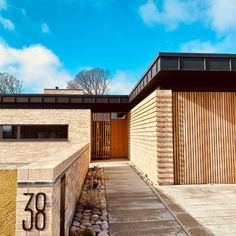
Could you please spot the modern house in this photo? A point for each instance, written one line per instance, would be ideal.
(177, 126)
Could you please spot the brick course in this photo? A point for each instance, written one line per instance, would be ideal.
(151, 137)
(47, 161)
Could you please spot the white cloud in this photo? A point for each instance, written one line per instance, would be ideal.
(219, 15)
(222, 15)
(6, 23)
(36, 65)
(198, 46)
(122, 83)
(171, 13)
(3, 5)
(45, 28)
(224, 45)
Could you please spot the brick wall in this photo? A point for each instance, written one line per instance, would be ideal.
(75, 177)
(74, 168)
(28, 152)
(150, 137)
(143, 136)
(44, 163)
(165, 161)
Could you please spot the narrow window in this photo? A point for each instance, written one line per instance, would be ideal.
(9, 131)
(31, 132)
(44, 132)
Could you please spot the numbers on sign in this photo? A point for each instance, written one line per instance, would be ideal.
(31, 213)
(40, 211)
(40, 208)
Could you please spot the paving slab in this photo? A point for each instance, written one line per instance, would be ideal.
(213, 206)
(133, 208)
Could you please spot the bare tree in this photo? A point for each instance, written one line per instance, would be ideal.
(9, 84)
(95, 81)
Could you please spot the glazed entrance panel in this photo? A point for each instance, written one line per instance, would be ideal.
(204, 137)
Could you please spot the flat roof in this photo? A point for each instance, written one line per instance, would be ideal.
(98, 103)
(176, 71)
(188, 71)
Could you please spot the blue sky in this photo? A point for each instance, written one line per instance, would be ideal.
(46, 43)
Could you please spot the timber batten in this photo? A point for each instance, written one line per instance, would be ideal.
(204, 137)
(101, 136)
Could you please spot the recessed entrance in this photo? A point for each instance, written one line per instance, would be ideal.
(109, 135)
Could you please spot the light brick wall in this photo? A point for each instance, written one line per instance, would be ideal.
(150, 137)
(47, 161)
(143, 136)
(27, 152)
(75, 177)
(74, 167)
(165, 158)
(63, 91)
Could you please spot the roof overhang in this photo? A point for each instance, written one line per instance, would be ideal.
(175, 71)
(102, 103)
(187, 71)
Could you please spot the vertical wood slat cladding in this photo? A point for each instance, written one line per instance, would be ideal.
(101, 143)
(204, 137)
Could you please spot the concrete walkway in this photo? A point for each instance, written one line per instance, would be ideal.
(134, 209)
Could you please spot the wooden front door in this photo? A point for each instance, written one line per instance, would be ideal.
(119, 138)
(204, 137)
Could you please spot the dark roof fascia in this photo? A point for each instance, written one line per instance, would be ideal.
(176, 62)
(94, 102)
(165, 72)
(209, 55)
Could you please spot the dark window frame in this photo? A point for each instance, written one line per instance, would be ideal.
(19, 139)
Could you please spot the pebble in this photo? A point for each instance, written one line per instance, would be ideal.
(77, 219)
(95, 217)
(74, 230)
(97, 230)
(103, 217)
(103, 233)
(86, 217)
(99, 222)
(87, 211)
(78, 214)
(83, 222)
(104, 225)
(73, 233)
(87, 224)
(75, 223)
(104, 212)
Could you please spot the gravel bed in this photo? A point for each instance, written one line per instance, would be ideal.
(91, 216)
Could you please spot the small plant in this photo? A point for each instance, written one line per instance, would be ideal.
(86, 232)
(95, 173)
(92, 183)
(90, 200)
